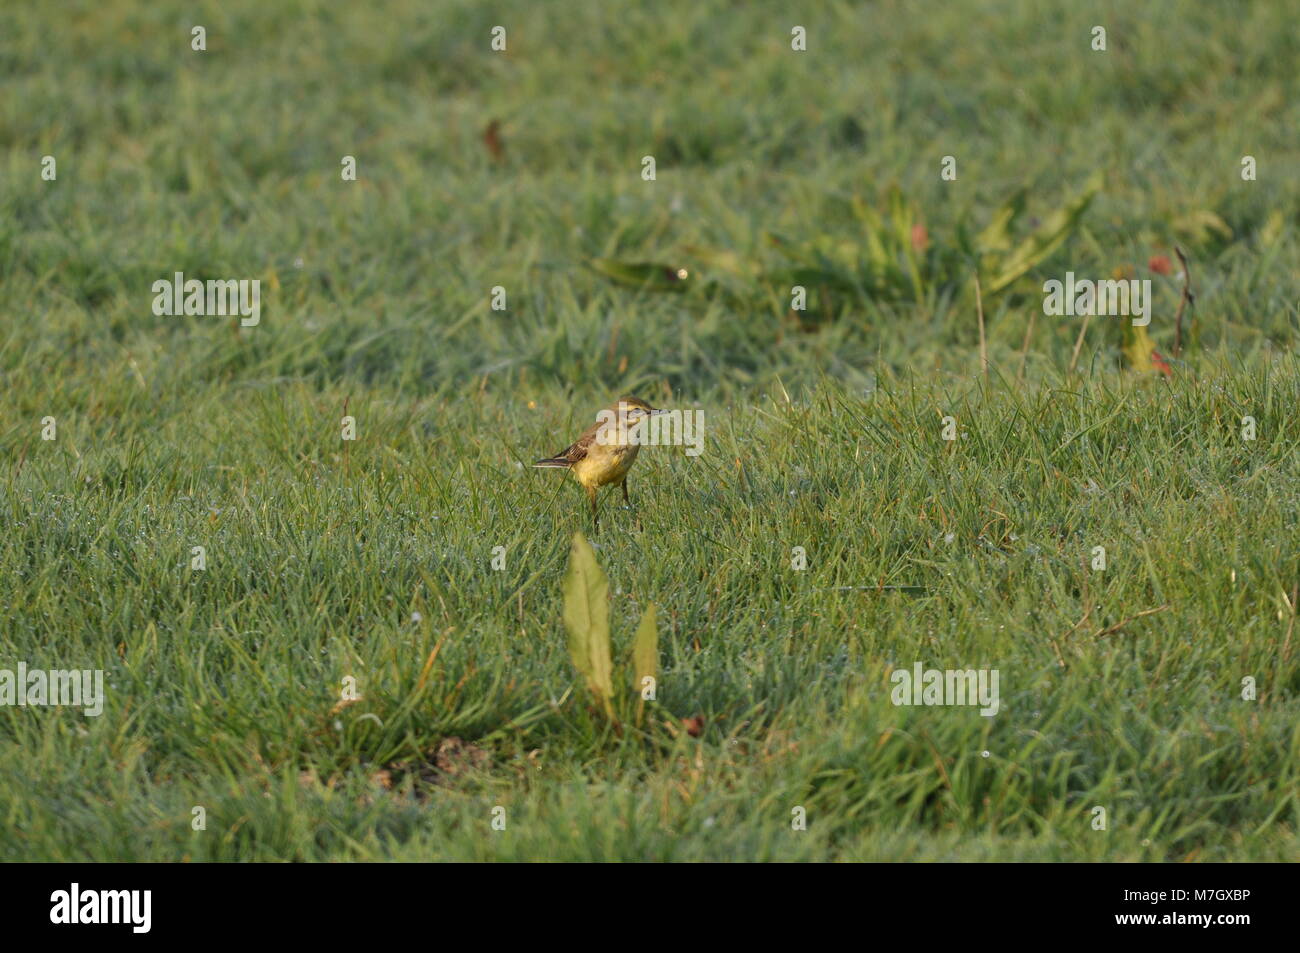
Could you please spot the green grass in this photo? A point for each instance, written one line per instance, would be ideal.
(326, 560)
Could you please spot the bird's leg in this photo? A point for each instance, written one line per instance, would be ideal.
(591, 495)
(624, 485)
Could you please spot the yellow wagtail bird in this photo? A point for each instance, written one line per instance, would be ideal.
(606, 450)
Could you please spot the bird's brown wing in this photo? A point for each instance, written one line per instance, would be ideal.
(574, 452)
(577, 450)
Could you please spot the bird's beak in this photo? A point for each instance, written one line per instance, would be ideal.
(654, 413)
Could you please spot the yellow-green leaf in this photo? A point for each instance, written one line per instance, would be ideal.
(586, 616)
(996, 235)
(1137, 348)
(645, 655)
(1045, 239)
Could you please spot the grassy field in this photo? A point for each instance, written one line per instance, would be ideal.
(331, 560)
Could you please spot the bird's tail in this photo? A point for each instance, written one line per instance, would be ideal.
(553, 462)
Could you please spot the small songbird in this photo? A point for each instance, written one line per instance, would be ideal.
(606, 450)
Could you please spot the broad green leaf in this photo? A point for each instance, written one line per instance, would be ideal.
(645, 649)
(1045, 239)
(586, 615)
(645, 654)
(648, 275)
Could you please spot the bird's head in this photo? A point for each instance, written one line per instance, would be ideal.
(629, 411)
(618, 421)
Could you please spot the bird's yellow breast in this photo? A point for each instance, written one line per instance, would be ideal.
(605, 464)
